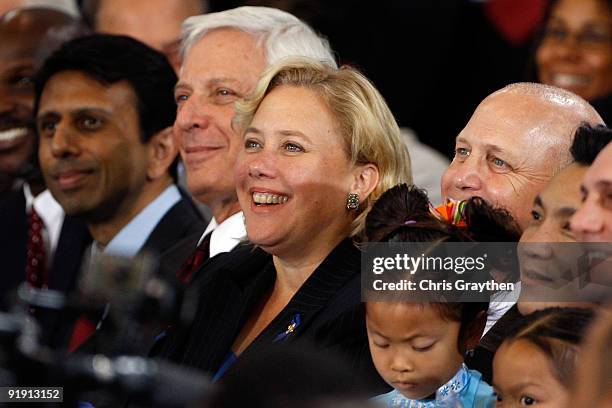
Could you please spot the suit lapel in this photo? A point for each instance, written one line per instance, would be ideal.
(179, 222)
(235, 282)
(13, 240)
(310, 302)
(67, 261)
(228, 295)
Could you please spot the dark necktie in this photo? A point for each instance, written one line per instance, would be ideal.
(189, 268)
(36, 272)
(82, 330)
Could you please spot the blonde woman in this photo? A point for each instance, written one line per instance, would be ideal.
(319, 147)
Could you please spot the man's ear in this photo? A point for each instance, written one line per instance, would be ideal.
(365, 180)
(162, 152)
(473, 332)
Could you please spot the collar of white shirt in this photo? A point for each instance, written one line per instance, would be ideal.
(227, 235)
(51, 213)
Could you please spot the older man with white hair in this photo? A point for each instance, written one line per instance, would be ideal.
(224, 55)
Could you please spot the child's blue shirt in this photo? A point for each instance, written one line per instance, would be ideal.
(466, 389)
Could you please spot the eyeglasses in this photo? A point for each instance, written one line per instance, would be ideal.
(588, 38)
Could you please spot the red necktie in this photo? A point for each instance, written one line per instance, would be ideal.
(36, 272)
(191, 265)
(83, 329)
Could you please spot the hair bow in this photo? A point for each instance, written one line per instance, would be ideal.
(452, 212)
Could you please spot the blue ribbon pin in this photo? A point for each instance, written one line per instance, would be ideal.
(295, 323)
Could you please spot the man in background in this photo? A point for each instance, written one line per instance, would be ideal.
(31, 220)
(156, 23)
(104, 111)
(67, 6)
(593, 220)
(515, 142)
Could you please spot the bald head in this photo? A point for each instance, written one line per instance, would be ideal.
(551, 115)
(35, 32)
(515, 142)
(8, 5)
(27, 36)
(66, 6)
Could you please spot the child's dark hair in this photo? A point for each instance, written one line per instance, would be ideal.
(402, 214)
(387, 221)
(557, 332)
(588, 142)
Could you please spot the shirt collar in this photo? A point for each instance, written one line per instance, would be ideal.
(51, 213)
(225, 236)
(131, 238)
(446, 395)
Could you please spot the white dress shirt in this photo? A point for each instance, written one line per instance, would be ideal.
(51, 214)
(500, 303)
(227, 235)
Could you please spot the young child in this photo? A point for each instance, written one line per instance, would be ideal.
(593, 375)
(534, 365)
(418, 348)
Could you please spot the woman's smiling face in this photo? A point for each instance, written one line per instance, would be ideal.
(293, 173)
(576, 51)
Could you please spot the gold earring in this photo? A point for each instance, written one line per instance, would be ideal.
(352, 201)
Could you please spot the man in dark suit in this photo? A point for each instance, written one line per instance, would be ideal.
(27, 37)
(104, 110)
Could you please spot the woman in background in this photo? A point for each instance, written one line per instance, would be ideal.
(574, 51)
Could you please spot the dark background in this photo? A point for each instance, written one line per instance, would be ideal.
(433, 60)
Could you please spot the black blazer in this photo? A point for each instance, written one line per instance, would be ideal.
(13, 241)
(172, 240)
(175, 237)
(231, 285)
(73, 240)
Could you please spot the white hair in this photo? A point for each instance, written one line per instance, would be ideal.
(279, 33)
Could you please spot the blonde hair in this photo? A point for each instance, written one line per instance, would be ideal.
(362, 117)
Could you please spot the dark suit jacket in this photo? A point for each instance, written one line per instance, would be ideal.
(74, 239)
(172, 242)
(13, 241)
(230, 287)
(175, 237)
